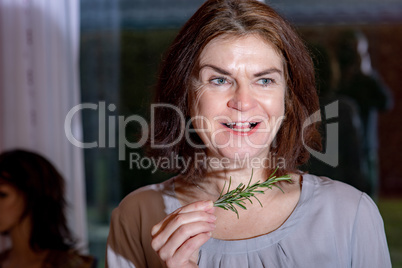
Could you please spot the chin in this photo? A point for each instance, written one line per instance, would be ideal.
(4, 232)
(242, 154)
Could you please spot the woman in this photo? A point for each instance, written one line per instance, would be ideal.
(32, 214)
(241, 75)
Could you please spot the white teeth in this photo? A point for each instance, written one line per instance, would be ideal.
(238, 124)
(241, 126)
(241, 129)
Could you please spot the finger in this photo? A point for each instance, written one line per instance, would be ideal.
(178, 221)
(181, 235)
(186, 252)
(196, 206)
(210, 210)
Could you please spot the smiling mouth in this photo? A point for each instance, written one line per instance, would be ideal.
(241, 126)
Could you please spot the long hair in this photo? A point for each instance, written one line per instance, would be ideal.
(237, 18)
(43, 190)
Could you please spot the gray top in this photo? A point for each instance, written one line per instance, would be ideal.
(333, 225)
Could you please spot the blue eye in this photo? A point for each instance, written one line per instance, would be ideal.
(219, 81)
(265, 81)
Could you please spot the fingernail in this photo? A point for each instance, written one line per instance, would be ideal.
(212, 225)
(208, 204)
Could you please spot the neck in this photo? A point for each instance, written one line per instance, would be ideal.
(20, 236)
(217, 180)
(218, 175)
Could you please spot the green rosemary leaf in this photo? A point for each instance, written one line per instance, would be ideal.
(278, 188)
(249, 199)
(223, 189)
(252, 172)
(241, 205)
(242, 193)
(259, 192)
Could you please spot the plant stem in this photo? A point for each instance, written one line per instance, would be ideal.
(242, 193)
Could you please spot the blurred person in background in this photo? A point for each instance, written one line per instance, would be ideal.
(351, 167)
(363, 84)
(32, 214)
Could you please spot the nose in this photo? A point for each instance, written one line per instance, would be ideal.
(242, 99)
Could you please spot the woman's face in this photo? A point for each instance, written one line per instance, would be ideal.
(12, 206)
(238, 99)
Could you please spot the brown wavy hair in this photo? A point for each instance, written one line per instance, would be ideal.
(237, 18)
(43, 190)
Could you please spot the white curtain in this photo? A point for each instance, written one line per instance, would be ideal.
(39, 45)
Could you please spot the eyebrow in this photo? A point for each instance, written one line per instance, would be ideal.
(215, 68)
(224, 72)
(268, 71)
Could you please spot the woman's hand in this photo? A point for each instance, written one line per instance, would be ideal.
(179, 236)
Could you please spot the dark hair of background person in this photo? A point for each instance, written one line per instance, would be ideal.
(237, 18)
(43, 190)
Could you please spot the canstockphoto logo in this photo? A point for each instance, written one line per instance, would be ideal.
(331, 153)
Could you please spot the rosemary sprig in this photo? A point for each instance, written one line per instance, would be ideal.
(243, 193)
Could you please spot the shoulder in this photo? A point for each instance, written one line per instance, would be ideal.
(129, 239)
(338, 197)
(331, 188)
(144, 194)
(341, 208)
(147, 195)
(343, 219)
(158, 198)
(69, 259)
